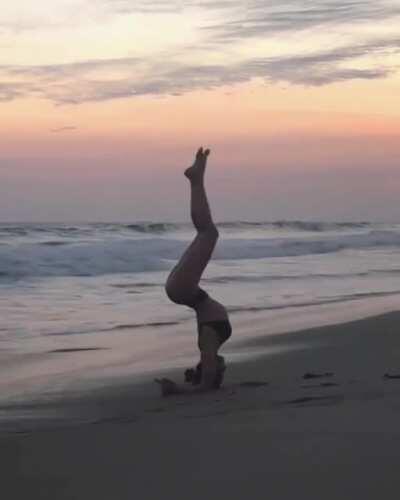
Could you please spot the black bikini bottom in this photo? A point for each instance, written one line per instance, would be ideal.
(223, 329)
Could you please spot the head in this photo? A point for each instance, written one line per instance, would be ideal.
(193, 375)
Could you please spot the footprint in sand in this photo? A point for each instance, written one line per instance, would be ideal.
(309, 375)
(76, 349)
(322, 384)
(253, 383)
(389, 376)
(317, 400)
(117, 420)
(155, 410)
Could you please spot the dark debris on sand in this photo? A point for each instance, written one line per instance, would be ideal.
(309, 375)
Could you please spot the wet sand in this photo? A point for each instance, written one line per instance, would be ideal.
(314, 417)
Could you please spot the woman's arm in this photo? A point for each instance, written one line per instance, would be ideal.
(209, 345)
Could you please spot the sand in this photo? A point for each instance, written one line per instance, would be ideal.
(269, 433)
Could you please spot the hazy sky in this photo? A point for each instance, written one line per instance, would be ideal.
(103, 103)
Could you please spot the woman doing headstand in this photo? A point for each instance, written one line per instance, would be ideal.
(182, 287)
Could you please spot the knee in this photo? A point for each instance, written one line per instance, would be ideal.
(215, 232)
(174, 293)
(212, 232)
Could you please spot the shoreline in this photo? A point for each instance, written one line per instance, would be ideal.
(56, 409)
(83, 364)
(274, 427)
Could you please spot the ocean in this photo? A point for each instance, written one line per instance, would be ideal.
(85, 288)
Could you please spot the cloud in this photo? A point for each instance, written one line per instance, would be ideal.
(21, 16)
(12, 90)
(66, 128)
(169, 74)
(142, 6)
(315, 69)
(165, 6)
(260, 18)
(254, 18)
(241, 18)
(84, 82)
(326, 67)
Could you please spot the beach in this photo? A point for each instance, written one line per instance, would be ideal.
(83, 306)
(199, 193)
(312, 417)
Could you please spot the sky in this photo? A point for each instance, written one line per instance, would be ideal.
(104, 102)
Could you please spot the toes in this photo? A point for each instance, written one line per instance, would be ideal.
(206, 152)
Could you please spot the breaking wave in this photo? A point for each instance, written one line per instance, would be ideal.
(82, 257)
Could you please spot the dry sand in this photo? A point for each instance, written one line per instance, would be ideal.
(270, 433)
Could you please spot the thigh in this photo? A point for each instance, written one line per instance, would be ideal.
(187, 273)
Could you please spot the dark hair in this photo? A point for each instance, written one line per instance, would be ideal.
(193, 375)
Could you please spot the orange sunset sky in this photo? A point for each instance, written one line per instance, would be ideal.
(104, 102)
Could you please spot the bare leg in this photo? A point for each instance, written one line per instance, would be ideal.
(199, 207)
(183, 281)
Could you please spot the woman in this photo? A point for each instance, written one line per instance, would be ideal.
(182, 287)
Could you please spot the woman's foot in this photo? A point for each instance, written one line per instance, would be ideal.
(195, 173)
